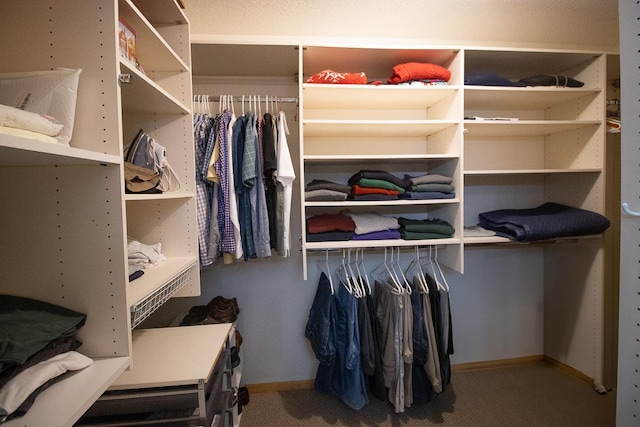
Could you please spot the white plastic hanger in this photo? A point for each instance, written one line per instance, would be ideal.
(362, 273)
(402, 279)
(356, 280)
(343, 274)
(390, 278)
(441, 273)
(327, 269)
(416, 268)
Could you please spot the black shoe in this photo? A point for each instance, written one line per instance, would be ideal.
(235, 358)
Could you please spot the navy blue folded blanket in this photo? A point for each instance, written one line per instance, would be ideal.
(547, 221)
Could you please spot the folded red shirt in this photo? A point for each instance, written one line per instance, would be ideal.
(358, 190)
(330, 222)
(333, 77)
(417, 71)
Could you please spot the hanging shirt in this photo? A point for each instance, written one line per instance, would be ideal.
(270, 165)
(259, 216)
(202, 126)
(227, 239)
(242, 191)
(285, 175)
(233, 201)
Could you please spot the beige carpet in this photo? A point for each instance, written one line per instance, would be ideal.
(536, 394)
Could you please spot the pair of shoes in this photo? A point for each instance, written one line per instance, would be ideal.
(197, 314)
(223, 310)
(238, 339)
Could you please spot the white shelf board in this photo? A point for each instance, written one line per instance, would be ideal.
(143, 95)
(530, 171)
(173, 356)
(374, 203)
(371, 128)
(161, 13)
(520, 98)
(514, 128)
(156, 277)
(15, 151)
(326, 96)
(376, 157)
(351, 244)
(162, 196)
(64, 402)
(504, 240)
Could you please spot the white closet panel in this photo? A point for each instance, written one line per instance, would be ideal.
(628, 397)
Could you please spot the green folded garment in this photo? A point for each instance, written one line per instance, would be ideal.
(430, 226)
(411, 235)
(379, 183)
(27, 326)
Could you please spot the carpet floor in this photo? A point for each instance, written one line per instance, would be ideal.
(531, 395)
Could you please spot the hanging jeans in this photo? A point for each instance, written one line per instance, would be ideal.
(344, 376)
(320, 328)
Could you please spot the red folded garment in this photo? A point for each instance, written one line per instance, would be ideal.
(330, 222)
(418, 71)
(333, 77)
(358, 190)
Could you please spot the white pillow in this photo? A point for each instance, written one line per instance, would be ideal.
(52, 93)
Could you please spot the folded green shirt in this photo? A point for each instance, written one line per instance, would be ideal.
(379, 183)
(435, 226)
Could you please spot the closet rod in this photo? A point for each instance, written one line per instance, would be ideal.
(372, 248)
(246, 98)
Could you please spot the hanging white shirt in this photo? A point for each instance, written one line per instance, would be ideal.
(285, 175)
(233, 203)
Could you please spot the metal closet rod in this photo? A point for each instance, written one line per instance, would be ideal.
(217, 98)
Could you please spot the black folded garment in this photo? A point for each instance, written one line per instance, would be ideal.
(547, 221)
(383, 175)
(551, 80)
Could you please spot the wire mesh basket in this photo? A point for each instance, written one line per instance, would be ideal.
(144, 308)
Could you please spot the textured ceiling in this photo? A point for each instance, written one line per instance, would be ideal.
(588, 24)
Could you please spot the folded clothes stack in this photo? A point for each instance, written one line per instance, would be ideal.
(320, 190)
(38, 345)
(329, 227)
(368, 185)
(547, 221)
(429, 186)
(424, 229)
(374, 226)
(492, 79)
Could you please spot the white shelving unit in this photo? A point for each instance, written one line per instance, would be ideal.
(66, 214)
(399, 129)
(553, 152)
(552, 149)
